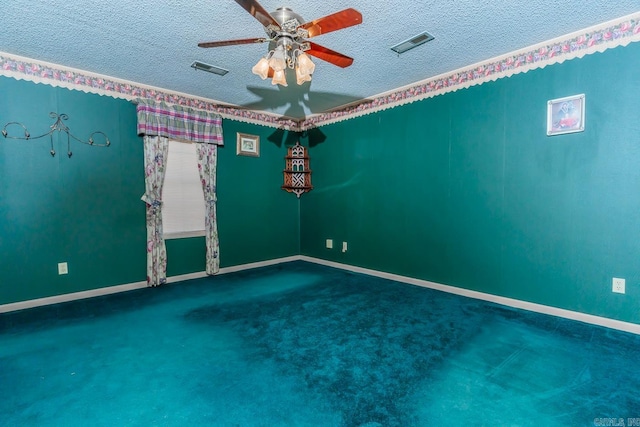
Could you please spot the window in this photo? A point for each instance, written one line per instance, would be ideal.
(182, 197)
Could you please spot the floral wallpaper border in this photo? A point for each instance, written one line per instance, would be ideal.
(596, 39)
(22, 68)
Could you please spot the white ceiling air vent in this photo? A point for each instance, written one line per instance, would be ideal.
(209, 68)
(414, 41)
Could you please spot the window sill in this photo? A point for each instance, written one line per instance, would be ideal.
(184, 234)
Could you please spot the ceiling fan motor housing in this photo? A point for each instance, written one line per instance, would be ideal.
(285, 18)
(288, 35)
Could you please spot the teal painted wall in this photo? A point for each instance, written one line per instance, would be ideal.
(463, 189)
(261, 221)
(84, 210)
(87, 211)
(466, 189)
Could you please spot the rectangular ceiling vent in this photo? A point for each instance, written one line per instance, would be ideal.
(209, 68)
(414, 41)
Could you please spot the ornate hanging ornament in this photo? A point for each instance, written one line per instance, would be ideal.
(297, 175)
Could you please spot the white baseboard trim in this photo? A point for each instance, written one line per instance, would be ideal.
(233, 268)
(509, 302)
(259, 264)
(21, 305)
(633, 328)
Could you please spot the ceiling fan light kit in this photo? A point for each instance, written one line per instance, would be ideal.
(305, 68)
(288, 48)
(279, 78)
(278, 60)
(261, 68)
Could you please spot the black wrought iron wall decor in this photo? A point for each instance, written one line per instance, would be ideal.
(60, 127)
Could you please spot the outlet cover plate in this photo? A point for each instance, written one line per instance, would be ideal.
(618, 285)
(329, 243)
(63, 268)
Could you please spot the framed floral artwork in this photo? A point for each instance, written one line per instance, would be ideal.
(247, 145)
(566, 115)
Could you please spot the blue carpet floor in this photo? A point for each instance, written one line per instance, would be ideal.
(305, 345)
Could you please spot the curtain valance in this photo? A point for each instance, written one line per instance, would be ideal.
(177, 122)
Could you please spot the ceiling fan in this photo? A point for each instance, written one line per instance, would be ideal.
(288, 48)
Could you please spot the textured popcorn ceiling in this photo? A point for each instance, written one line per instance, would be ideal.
(154, 42)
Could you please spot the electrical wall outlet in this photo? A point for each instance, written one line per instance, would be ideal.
(344, 247)
(329, 244)
(618, 285)
(63, 268)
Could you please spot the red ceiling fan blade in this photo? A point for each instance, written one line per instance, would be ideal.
(329, 55)
(337, 21)
(258, 12)
(231, 42)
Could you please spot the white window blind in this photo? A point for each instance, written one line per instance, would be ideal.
(182, 196)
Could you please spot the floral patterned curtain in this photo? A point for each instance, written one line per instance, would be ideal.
(155, 158)
(157, 122)
(207, 164)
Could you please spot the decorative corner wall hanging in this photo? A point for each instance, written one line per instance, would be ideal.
(566, 115)
(297, 175)
(247, 145)
(60, 127)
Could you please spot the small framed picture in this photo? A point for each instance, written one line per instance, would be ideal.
(248, 145)
(565, 115)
